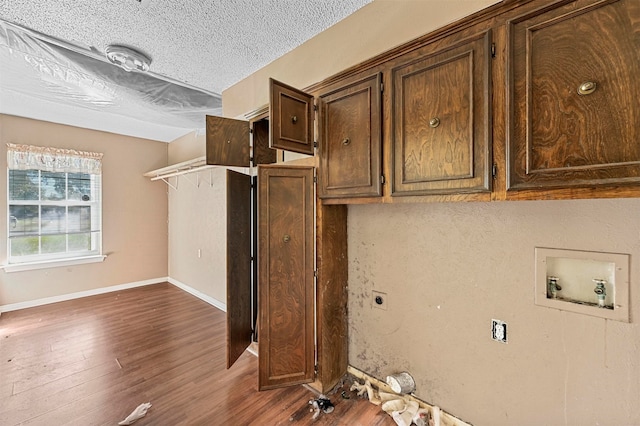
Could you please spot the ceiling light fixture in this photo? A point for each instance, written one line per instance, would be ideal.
(127, 58)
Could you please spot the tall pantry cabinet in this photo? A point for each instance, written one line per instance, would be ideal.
(301, 256)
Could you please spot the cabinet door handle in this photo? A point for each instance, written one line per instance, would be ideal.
(294, 119)
(587, 88)
(434, 122)
(286, 238)
(346, 141)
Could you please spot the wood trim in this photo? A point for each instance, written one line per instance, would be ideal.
(258, 113)
(574, 193)
(484, 196)
(331, 295)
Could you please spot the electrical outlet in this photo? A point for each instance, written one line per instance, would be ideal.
(379, 300)
(499, 331)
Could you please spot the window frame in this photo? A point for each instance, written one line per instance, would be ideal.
(44, 260)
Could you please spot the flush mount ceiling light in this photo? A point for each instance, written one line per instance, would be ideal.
(127, 58)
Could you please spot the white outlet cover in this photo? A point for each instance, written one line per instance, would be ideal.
(499, 331)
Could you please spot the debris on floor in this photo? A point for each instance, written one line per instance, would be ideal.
(404, 410)
(322, 403)
(139, 412)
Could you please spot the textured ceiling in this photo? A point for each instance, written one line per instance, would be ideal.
(207, 44)
(210, 44)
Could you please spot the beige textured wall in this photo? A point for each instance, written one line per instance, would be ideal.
(134, 216)
(197, 221)
(188, 147)
(450, 268)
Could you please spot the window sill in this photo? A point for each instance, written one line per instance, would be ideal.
(53, 263)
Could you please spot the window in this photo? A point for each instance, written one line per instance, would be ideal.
(54, 204)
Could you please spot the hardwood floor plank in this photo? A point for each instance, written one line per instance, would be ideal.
(91, 361)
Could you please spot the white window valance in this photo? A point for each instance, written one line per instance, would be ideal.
(29, 157)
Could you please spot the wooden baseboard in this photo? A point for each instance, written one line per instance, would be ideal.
(446, 419)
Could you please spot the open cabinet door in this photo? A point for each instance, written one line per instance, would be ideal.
(286, 280)
(227, 142)
(239, 328)
(291, 118)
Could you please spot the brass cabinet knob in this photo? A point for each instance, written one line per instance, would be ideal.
(434, 122)
(346, 141)
(286, 238)
(294, 119)
(587, 88)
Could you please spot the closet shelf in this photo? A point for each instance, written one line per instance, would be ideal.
(178, 169)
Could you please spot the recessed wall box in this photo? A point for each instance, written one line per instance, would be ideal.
(585, 282)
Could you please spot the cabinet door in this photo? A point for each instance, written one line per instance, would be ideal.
(291, 117)
(350, 140)
(228, 142)
(239, 327)
(441, 121)
(286, 281)
(573, 88)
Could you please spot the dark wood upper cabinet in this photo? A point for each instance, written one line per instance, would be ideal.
(442, 120)
(350, 135)
(291, 118)
(286, 276)
(228, 142)
(574, 81)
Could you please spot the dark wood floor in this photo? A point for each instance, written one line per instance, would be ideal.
(91, 361)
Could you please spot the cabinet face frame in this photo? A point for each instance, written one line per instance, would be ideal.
(473, 56)
(344, 136)
(540, 155)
